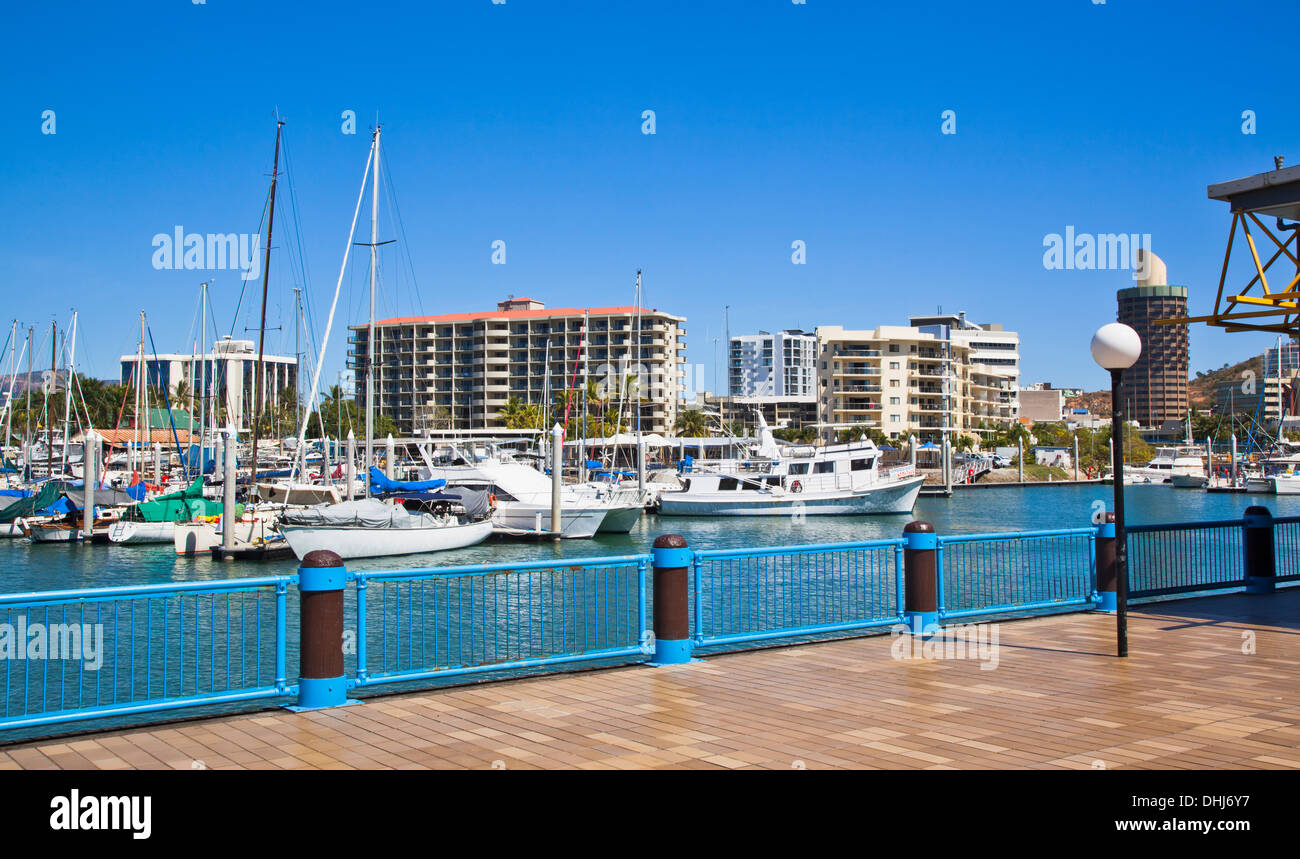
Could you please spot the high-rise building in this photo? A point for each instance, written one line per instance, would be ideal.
(456, 371)
(941, 375)
(782, 365)
(231, 369)
(1154, 390)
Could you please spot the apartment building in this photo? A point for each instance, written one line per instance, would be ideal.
(782, 365)
(940, 375)
(231, 377)
(457, 370)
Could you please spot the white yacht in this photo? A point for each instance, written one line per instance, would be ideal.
(521, 495)
(1186, 460)
(841, 479)
(1279, 473)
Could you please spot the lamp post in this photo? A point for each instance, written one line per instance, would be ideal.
(1115, 347)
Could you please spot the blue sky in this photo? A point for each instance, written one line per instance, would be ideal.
(522, 122)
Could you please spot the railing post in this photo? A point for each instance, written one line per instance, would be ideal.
(1257, 543)
(320, 584)
(1107, 570)
(672, 619)
(921, 601)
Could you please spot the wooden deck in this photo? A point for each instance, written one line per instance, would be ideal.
(1187, 698)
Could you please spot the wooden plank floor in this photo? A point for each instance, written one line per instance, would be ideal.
(1192, 695)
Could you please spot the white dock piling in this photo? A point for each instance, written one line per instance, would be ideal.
(228, 491)
(557, 477)
(90, 476)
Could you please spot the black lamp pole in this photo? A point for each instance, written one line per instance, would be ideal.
(1121, 543)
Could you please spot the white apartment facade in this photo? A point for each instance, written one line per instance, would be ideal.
(231, 376)
(939, 376)
(781, 365)
(456, 371)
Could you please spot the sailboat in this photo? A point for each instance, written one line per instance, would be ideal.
(154, 521)
(415, 518)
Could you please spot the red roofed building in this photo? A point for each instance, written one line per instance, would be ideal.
(456, 370)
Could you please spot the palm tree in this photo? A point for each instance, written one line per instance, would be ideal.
(691, 423)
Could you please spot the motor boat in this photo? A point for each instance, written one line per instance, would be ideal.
(842, 479)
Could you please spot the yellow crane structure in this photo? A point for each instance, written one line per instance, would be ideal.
(1275, 194)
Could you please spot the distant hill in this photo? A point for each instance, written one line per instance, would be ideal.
(1096, 402)
(1201, 387)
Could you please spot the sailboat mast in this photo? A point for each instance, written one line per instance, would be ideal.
(638, 367)
(203, 381)
(13, 371)
(258, 382)
(142, 398)
(54, 384)
(370, 331)
(71, 358)
(586, 350)
(297, 356)
(27, 424)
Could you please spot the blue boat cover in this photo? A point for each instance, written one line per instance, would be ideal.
(379, 482)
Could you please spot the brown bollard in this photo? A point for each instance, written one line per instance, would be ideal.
(1107, 567)
(672, 612)
(921, 578)
(321, 683)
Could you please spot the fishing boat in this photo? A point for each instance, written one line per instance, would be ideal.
(842, 479)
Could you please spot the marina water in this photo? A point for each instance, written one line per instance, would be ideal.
(24, 567)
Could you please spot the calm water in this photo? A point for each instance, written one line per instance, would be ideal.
(25, 567)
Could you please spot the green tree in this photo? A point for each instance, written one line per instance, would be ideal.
(691, 423)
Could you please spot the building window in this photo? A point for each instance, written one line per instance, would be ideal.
(893, 365)
(893, 401)
(893, 419)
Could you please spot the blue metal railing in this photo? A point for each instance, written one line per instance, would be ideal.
(162, 647)
(1184, 557)
(1286, 547)
(445, 621)
(1016, 571)
(755, 594)
(107, 652)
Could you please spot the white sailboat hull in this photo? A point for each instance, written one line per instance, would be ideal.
(899, 497)
(575, 522)
(365, 542)
(135, 533)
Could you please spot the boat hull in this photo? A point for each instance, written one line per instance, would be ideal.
(362, 542)
(575, 522)
(620, 520)
(1188, 481)
(890, 498)
(195, 538)
(135, 533)
(1260, 485)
